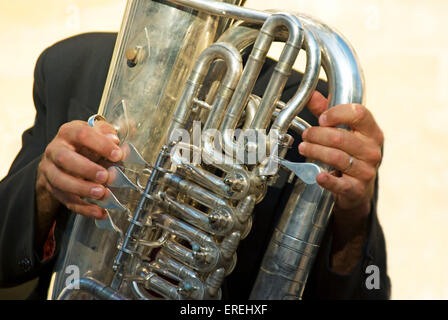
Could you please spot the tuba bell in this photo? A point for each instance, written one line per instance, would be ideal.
(181, 201)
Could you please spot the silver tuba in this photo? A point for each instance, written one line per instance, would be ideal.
(179, 206)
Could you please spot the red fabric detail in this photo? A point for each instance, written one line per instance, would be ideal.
(49, 245)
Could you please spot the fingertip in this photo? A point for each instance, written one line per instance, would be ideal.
(112, 175)
(317, 104)
(98, 213)
(304, 134)
(116, 155)
(322, 178)
(302, 148)
(97, 192)
(323, 119)
(317, 96)
(113, 137)
(102, 176)
(102, 215)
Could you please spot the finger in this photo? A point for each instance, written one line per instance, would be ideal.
(80, 134)
(356, 116)
(89, 154)
(77, 165)
(346, 186)
(95, 157)
(108, 130)
(317, 104)
(76, 204)
(359, 146)
(67, 183)
(339, 160)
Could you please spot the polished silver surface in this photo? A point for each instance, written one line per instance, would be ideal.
(224, 9)
(294, 245)
(173, 226)
(89, 286)
(307, 172)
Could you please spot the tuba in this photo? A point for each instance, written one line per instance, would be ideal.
(180, 202)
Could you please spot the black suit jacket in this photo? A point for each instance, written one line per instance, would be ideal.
(68, 82)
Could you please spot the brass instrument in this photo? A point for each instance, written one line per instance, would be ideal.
(174, 225)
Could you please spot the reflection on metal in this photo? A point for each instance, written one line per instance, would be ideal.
(119, 179)
(109, 201)
(177, 225)
(307, 172)
(131, 155)
(107, 224)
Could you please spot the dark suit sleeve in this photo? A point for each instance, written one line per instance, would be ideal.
(19, 261)
(327, 284)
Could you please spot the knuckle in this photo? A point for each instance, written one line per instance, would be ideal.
(360, 190)
(43, 169)
(360, 112)
(105, 127)
(380, 137)
(61, 157)
(55, 180)
(335, 157)
(369, 174)
(337, 139)
(376, 156)
(83, 134)
(48, 151)
(49, 175)
(64, 128)
(345, 188)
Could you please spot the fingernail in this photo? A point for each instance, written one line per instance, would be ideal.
(101, 176)
(100, 215)
(304, 134)
(116, 155)
(302, 148)
(323, 119)
(113, 137)
(96, 192)
(323, 178)
(97, 215)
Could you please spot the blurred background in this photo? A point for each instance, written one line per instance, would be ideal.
(403, 49)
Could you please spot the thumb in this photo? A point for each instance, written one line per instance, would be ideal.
(317, 104)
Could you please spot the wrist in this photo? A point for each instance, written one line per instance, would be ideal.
(350, 229)
(46, 209)
(348, 223)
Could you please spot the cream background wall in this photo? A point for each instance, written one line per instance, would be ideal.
(403, 48)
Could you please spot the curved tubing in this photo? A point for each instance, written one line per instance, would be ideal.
(252, 70)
